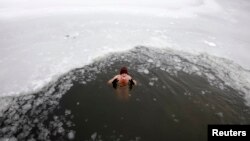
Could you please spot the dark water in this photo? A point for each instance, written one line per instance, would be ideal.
(168, 103)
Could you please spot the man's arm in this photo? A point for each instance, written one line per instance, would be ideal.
(132, 80)
(111, 80)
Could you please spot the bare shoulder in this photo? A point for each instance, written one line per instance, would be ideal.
(112, 79)
(129, 77)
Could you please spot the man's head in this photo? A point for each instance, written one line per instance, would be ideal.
(124, 70)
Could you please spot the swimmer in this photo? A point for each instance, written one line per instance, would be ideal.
(122, 80)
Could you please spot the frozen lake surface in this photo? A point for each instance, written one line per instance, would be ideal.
(42, 41)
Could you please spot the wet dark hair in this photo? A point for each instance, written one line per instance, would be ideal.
(124, 70)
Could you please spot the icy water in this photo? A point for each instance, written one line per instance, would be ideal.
(177, 96)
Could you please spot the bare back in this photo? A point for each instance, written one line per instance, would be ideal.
(123, 80)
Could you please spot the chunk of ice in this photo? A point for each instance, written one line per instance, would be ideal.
(67, 112)
(71, 135)
(151, 83)
(146, 71)
(27, 106)
(220, 114)
(93, 136)
(150, 61)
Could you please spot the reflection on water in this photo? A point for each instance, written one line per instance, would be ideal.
(122, 94)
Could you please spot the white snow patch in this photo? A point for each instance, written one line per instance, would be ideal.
(212, 44)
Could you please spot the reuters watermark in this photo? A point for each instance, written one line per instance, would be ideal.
(219, 132)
